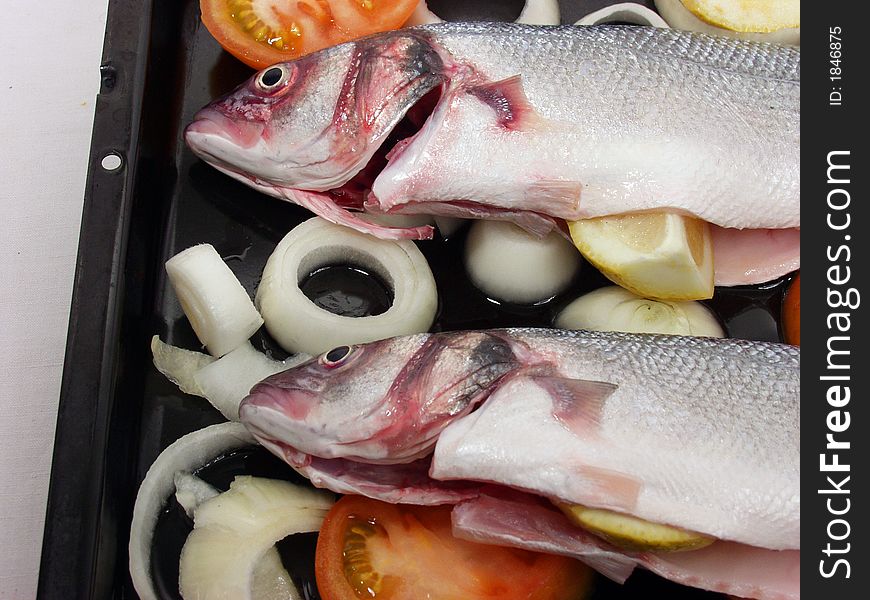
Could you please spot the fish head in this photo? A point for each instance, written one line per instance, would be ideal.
(385, 401)
(313, 123)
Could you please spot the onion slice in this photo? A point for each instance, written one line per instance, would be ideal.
(613, 308)
(216, 304)
(224, 382)
(299, 325)
(179, 365)
(535, 12)
(625, 12)
(191, 491)
(235, 531)
(540, 12)
(186, 454)
(422, 16)
(270, 580)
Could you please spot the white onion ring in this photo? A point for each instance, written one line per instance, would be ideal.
(535, 12)
(299, 325)
(626, 12)
(186, 454)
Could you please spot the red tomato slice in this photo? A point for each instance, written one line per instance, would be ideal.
(791, 312)
(261, 33)
(370, 549)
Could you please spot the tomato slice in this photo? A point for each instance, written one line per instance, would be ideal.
(374, 550)
(261, 33)
(791, 312)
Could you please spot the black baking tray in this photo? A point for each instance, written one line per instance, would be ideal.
(116, 412)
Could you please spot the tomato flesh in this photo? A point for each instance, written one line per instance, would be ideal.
(791, 312)
(261, 33)
(370, 549)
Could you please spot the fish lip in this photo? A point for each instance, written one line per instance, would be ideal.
(210, 122)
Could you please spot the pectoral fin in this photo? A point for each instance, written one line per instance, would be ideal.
(509, 102)
(577, 403)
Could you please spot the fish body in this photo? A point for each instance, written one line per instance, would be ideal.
(693, 432)
(531, 124)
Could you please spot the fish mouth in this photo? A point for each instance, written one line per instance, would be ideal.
(217, 139)
(210, 125)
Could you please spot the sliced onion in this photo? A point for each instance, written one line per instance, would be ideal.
(613, 308)
(540, 12)
(191, 491)
(186, 454)
(236, 530)
(216, 304)
(299, 325)
(508, 263)
(625, 12)
(224, 382)
(179, 365)
(535, 12)
(270, 579)
(422, 16)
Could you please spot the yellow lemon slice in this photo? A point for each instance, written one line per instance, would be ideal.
(655, 255)
(632, 533)
(747, 15)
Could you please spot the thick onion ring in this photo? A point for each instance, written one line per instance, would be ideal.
(299, 325)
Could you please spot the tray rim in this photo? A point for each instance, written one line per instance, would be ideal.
(69, 565)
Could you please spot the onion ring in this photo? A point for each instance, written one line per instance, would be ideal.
(299, 325)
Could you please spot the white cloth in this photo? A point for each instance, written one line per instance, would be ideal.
(49, 60)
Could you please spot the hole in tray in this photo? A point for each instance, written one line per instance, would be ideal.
(347, 291)
(112, 161)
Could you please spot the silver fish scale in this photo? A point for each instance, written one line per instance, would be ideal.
(754, 59)
(714, 395)
(721, 116)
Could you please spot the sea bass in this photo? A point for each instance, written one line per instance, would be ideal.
(530, 124)
(697, 433)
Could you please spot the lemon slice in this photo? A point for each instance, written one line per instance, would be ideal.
(761, 16)
(655, 255)
(632, 533)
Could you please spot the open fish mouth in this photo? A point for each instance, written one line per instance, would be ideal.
(215, 138)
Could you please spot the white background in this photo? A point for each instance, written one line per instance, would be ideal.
(49, 61)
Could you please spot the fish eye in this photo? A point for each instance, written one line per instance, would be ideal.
(271, 78)
(335, 356)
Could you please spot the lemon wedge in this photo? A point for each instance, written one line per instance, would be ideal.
(655, 255)
(632, 533)
(776, 21)
(761, 16)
